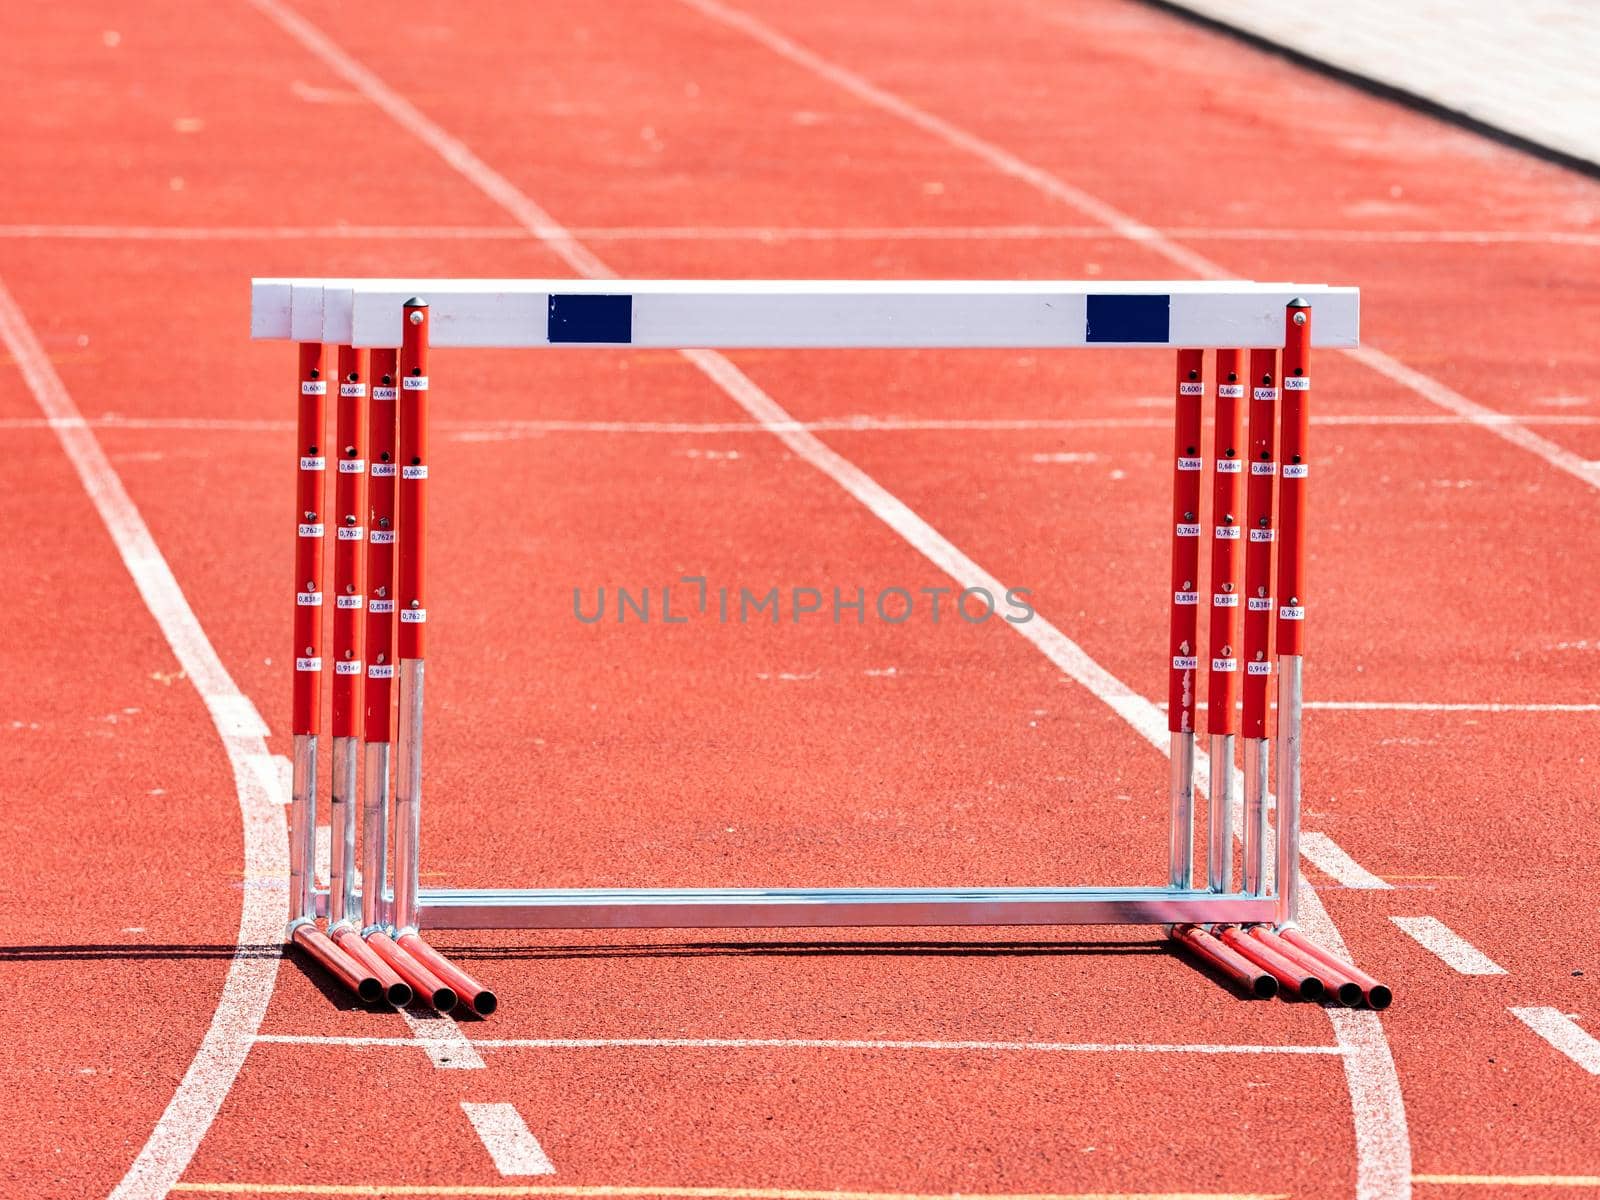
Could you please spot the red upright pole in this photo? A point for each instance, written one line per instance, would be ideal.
(378, 724)
(1258, 611)
(1222, 693)
(311, 454)
(1184, 652)
(349, 575)
(411, 566)
(1294, 452)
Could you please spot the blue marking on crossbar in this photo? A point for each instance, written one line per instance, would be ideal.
(590, 318)
(1128, 319)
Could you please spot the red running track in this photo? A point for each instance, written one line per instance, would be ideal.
(1455, 568)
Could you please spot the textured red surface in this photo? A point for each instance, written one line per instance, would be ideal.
(1448, 567)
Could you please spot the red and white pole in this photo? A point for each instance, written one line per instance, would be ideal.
(311, 453)
(1257, 682)
(1222, 694)
(378, 698)
(411, 561)
(1184, 659)
(349, 520)
(1295, 466)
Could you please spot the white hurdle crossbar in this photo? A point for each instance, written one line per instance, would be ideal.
(689, 314)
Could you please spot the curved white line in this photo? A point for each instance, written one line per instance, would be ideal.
(265, 911)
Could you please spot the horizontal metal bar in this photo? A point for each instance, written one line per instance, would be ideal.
(775, 314)
(704, 908)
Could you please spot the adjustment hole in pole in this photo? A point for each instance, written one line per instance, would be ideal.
(311, 450)
(1265, 455)
(415, 461)
(1295, 457)
(1233, 377)
(387, 380)
(350, 451)
(1299, 371)
(1230, 451)
(1266, 380)
(1194, 374)
(416, 370)
(316, 374)
(353, 377)
(384, 456)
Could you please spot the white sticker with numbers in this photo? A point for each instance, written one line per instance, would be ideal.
(413, 616)
(382, 470)
(1186, 463)
(1261, 535)
(1185, 662)
(1225, 599)
(380, 606)
(1231, 391)
(350, 601)
(353, 390)
(382, 537)
(1224, 664)
(347, 668)
(1263, 468)
(312, 462)
(1191, 389)
(1229, 466)
(415, 383)
(1292, 612)
(308, 599)
(1227, 533)
(1297, 383)
(351, 533)
(1186, 597)
(1188, 530)
(309, 530)
(1296, 470)
(313, 387)
(308, 664)
(1260, 603)
(352, 466)
(1259, 668)
(384, 393)
(380, 671)
(417, 472)
(1265, 393)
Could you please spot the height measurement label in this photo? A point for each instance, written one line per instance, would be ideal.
(1264, 468)
(350, 601)
(1224, 664)
(380, 606)
(1297, 383)
(1189, 530)
(382, 537)
(413, 616)
(308, 530)
(1186, 597)
(380, 671)
(382, 470)
(1194, 388)
(351, 533)
(1185, 662)
(1229, 466)
(313, 463)
(415, 383)
(385, 393)
(1258, 668)
(1296, 470)
(353, 390)
(1292, 612)
(1261, 535)
(352, 466)
(1225, 599)
(308, 599)
(1185, 463)
(1227, 533)
(347, 668)
(418, 472)
(1260, 603)
(308, 664)
(313, 387)
(1265, 393)
(1230, 391)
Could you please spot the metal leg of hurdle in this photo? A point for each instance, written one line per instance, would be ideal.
(1249, 935)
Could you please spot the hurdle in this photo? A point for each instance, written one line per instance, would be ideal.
(381, 332)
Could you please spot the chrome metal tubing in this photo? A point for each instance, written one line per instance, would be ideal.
(753, 908)
(1219, 826)
(303, 829)
(1289, 715)
(1257, 836)
(408, 796)
(1181, 851)
(375, 837)
(342, 822)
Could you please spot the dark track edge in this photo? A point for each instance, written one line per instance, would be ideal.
(1383, 89)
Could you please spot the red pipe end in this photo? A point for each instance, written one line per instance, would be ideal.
(1233, 966)
(479, 998)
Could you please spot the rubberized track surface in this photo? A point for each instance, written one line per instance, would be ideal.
(158, 158)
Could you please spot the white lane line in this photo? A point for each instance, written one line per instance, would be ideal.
(507, 1138)
(1383, 1147)
(782, 233)
(1565, 1034)
(264, 910)
(509, 430)
(805, 1044)
(446, 1045)
(1126, 226)
(1457, 953)
(1329, 858)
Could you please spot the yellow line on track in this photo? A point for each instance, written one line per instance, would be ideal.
(1589, 1181)
(697, 1193)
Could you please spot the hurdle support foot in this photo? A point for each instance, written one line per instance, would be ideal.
(427, 986)
(348, 971)
(1376, 995)
(1238, 970)
(477, 997)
